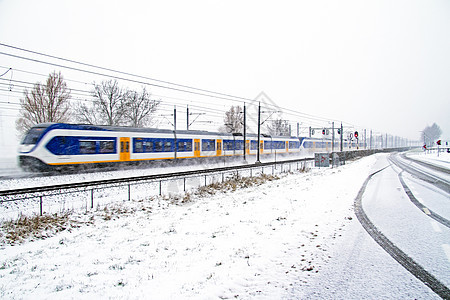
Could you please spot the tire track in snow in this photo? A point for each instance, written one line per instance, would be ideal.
(422, 207)
(413, 199)
(401, 257)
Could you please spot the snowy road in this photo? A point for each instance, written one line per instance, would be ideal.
(362, 263)
(292, 238)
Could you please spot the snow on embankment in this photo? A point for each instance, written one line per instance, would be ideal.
(265, 241)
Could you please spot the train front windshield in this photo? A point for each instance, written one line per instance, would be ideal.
(33, 136)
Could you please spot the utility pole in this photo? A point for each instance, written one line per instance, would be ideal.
(245, 131)
(187, 117)
(342, 137)
(174, 118)
(365, 139)
(175, 130)
(259, 132)
(332, 137)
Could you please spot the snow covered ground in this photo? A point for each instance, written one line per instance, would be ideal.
(432, 157)
(292, 238)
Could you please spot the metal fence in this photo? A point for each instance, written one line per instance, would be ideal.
(57, 199)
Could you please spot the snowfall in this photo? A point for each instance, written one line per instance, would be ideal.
(295, 237)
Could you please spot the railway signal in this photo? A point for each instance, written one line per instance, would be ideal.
(438, 142)
(356, 134)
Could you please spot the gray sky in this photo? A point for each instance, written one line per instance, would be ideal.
(380, 65)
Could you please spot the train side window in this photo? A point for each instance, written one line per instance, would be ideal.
(139, 147)
(181, 146)
(158, 146)
(167, 146)
(208, 145)
(148, 146)
(107, 147)
(188, 146)
(184, 146)
(87, 147)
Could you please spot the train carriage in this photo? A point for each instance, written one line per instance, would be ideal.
(58, 145)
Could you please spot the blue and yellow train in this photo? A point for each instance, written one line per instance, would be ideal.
(54, 146)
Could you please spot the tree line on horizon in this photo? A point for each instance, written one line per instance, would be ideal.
(430, 134)
(111, 105)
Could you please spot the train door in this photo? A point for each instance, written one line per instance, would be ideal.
(196, 147)
(247, 147)
(287, 146)
(261, 147)
(219, 147)
(124, 148)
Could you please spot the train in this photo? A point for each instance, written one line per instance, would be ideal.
(61, 146)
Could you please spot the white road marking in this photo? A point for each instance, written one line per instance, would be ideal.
(426, 210)
(446, 248)
(435, 226)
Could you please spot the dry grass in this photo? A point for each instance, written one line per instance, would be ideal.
(35, 227)
(233, 184)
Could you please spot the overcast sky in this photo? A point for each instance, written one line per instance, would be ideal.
(381, 65)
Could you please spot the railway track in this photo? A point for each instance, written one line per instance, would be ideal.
(34, 192)
(396, 253)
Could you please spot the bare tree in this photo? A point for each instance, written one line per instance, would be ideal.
(86, 113)
(109, 105)
(233, 120)
(431, 133)
(140, 108)
(47, 102)
(279, 127)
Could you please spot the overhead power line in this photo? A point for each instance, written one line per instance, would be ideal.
(115, 77)
(124, 73)
(121, 75)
